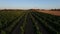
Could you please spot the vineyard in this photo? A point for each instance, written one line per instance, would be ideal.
(28, 22)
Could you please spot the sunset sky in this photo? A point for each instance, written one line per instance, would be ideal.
(27, 4)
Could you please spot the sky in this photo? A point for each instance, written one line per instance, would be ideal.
(28, 4)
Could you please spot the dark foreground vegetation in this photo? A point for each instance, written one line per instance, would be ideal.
(28, 22)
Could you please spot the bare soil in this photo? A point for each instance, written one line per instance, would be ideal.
(57, 13)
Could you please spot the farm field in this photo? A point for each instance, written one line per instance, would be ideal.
(28, 22)
(57, 13)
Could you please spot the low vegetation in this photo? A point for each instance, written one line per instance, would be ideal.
(28, 22)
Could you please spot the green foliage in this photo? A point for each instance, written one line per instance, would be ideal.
(3, 32)
(10, 19)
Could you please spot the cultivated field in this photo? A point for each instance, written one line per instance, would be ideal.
(28, 22)
(57, 13)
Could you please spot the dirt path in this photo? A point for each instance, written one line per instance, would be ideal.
(29, 27)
